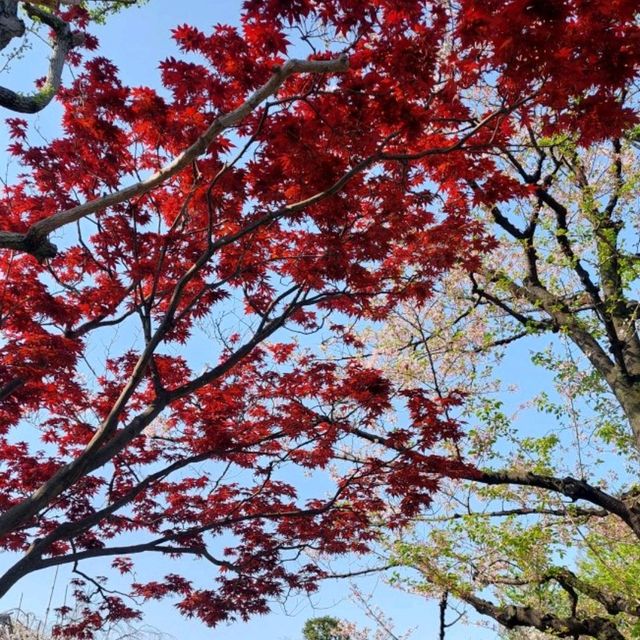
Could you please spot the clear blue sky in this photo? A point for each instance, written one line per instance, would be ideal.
(136, 40)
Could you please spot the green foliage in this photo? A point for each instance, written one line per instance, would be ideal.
(100, 10)
(323, 628)
(569, 415)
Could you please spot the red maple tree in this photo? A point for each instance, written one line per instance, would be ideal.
(155, 398)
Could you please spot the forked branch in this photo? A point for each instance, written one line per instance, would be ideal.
(35, 241)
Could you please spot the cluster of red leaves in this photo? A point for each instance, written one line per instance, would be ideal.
(135, 442)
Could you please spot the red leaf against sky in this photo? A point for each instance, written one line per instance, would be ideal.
(171, 408)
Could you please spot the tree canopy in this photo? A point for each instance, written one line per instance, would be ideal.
(548, 527)
(166, 257)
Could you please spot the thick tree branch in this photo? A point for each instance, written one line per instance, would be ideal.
(532, 324)
(568, 486)
(9, 387)
(534, 511)
(564, 317)
(99, 451)
(10, 25)
(614, 604)
(35, 242)
(64, 40)
(568, 627)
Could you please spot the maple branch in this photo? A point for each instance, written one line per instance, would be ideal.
(455, 146)
(97, 452)
(64, 40)
(9, 387)
(159, 544)
(32, 559)
(35, 242)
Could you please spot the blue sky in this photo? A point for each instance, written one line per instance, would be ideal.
(136, 40)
